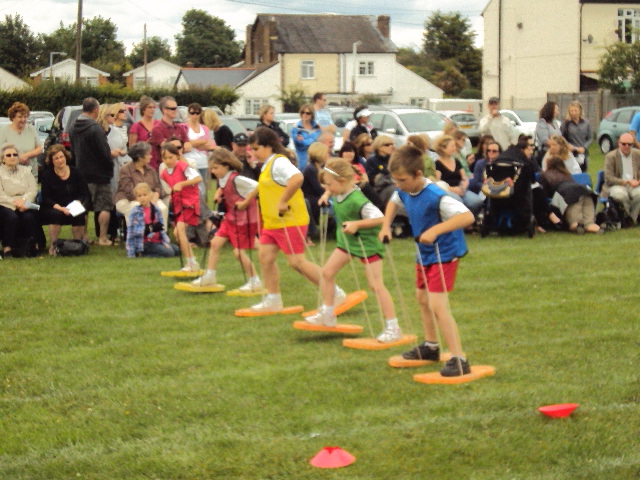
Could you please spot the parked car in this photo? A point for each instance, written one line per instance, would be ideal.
(524, 121)
(400, 121)
(61, 125)
(233, 123)
(39, 114)
(466, 121)
(43, 127)
(614, 124)
(4, 121)
(250, 122)
(287, 122)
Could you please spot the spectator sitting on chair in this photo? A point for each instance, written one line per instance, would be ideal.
(622, 176)
(61, 185)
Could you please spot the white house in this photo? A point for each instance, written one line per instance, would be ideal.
(8, 81)
(160, 73)
(65, 71)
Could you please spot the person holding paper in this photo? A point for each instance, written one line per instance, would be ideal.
(64, 191)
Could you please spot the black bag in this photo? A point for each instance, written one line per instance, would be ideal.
(70, 248)
(609, 218)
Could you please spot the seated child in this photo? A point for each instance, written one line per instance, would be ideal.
(145, 235)
(239, 227)
(358, 223)
(185, 199)
(436, 221)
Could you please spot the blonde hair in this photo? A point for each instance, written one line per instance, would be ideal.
(222, 156)
(103, 111)
(317, 153)
(263, 111)
(449, 127)
(441, 143)
(210, 119)
(141, 187)
(574, 103)
(379, 140)
(338, 169)
(562, 143)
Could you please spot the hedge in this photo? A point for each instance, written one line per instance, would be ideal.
(52, 97)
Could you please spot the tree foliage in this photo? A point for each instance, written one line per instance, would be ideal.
(18, 46)
(293, 98)
(620, 67)
(206, 41)
(156, 48)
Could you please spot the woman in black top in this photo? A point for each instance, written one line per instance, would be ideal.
(222, 134)
(61, 185)
(266, 120)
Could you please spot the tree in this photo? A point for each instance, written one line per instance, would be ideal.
(620, 67)
(206, 41)
(156, 48)
(449, 37)
(18, 47)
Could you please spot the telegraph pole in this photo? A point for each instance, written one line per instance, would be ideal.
(79, 41)
(144, 50)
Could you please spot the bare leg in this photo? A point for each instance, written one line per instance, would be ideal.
(78, 232)
(333, 265)
(54, 233)
(245, 261)
(181, 236)
(428, 322)
(214, 251)
(103, 222)
(309, 270)
(373, 272)
(446, 322)
(270, 274)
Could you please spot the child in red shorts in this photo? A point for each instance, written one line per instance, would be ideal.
(185, 200)
(238, 227)
(436, 221)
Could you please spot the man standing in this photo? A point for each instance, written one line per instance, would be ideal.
(93, 157)
(250, 168)
(165, 129)
(622, 176)
(497, 125)
(321, 116)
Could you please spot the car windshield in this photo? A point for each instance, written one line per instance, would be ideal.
(527, 115)
(422, 121)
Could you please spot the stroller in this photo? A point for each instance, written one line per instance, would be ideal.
(509, 205)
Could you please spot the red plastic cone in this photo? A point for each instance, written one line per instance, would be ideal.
(332, 457)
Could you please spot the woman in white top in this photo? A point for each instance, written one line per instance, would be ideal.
(200, 144)
(558, 147)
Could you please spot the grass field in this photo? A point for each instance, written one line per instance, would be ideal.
(109, 373)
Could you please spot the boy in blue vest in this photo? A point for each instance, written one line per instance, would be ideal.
(436, 222)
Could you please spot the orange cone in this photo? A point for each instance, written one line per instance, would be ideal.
(332, 457)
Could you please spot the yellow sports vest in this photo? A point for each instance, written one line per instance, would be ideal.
(269, 193)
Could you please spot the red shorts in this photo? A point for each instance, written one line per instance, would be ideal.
(369, 259)
(188, 216)
(239, 236)
(291, 240)
(434, 280)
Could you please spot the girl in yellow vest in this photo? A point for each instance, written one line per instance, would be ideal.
(284, 218)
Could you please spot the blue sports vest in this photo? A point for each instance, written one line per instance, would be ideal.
(423, 210)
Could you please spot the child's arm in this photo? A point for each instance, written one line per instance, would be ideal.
(194, 180)
(353, 226)
(457, 221)
(293, 184)
(243, 204)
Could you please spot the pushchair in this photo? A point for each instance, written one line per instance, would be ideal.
(509, 205)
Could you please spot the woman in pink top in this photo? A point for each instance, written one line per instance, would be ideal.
(141, 131)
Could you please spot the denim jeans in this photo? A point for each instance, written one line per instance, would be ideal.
(157, 250)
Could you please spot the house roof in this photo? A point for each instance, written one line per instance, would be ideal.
(157, 61)
(9, 79)
(326, 34)
(70, 60)
(217, 77)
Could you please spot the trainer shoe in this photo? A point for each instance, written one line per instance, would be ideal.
(321, 318)
(340, 297)
(455, 367)
(268, 305)
(390, 334)
(422, 352)
(191, 267)
(205, 280)
(251, 286)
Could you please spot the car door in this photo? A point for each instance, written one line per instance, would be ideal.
(392, 127)
(622, 123)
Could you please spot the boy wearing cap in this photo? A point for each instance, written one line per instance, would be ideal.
(239, 148)
(497, 125)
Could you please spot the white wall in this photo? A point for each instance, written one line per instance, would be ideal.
(9, 82)
(408, 85)
(265, 86)
(158, 75)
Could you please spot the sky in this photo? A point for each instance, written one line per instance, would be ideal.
(163, 17)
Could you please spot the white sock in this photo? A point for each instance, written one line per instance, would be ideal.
(273, 297)
(191, 261)
(254, 279)
(210, 272)
(431, 345)
(328, 309)
(391, 323)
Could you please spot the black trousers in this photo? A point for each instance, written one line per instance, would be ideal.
(20, 225)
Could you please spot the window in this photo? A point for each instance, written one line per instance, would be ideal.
(418, 102)
(252, 105)
(628, 25)
(366, 68)
(307, 70)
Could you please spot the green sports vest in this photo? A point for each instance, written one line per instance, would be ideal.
(349, 210)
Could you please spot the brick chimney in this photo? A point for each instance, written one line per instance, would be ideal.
(248, 51)
(383, 25)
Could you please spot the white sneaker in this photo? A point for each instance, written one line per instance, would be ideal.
(191, 267)
(390, 334)
(268, 305)
(205, 280)
(321, 318)
(340, 296)
(252, 285)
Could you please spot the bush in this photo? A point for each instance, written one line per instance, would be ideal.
(53, 96)
(471, 93)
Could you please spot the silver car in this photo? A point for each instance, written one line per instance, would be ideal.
(466, 121)
(400, 121)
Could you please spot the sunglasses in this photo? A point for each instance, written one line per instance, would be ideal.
(11, 155)
(625, 144)
(170, 108)
(387, 144)
(121, 111)
(493, 150)
(305, 113)
(195, 113)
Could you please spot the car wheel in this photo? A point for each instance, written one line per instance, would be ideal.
(606, 144)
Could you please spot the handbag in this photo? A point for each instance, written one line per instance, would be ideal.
(70, 248)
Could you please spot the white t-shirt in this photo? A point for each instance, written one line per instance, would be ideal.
(281, 170)
(627, 167)
(449, 206)
(369, 210)
(195, 156)
(244, 185)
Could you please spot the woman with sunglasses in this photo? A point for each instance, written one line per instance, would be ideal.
(18, 190)
(305, 133)
(200, 145)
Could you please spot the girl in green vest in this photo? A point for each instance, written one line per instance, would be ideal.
(359, 222)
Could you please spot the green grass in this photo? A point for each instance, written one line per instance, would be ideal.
(109, 373)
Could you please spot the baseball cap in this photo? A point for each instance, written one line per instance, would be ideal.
(365, 112)
(241, 139)
(494, 100)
